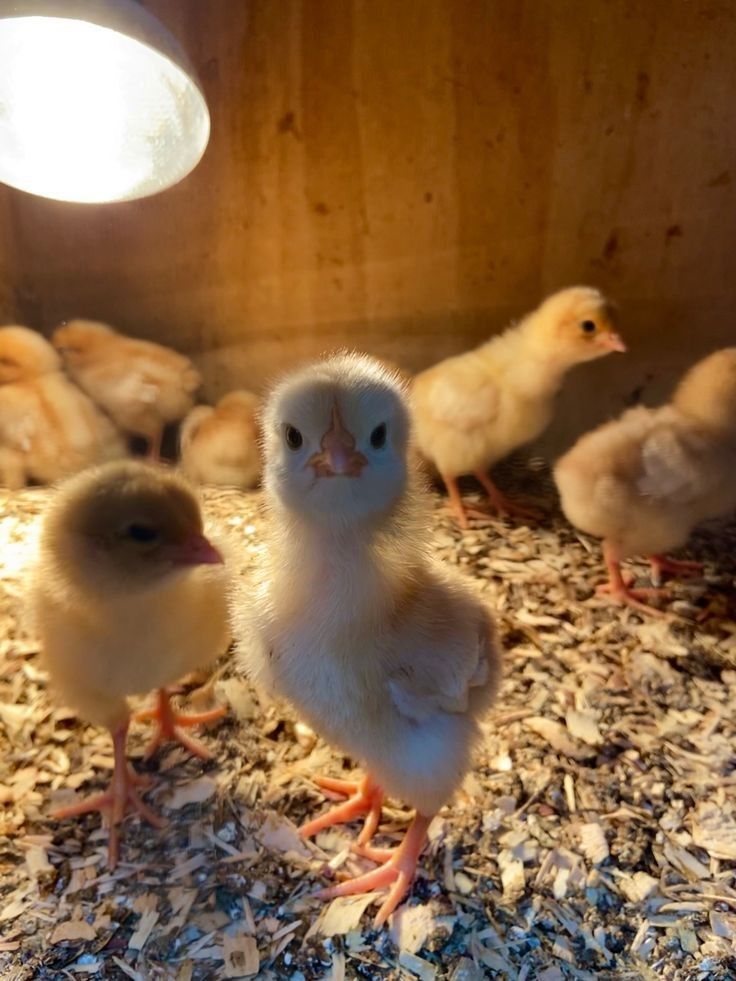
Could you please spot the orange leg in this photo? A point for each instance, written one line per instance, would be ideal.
(676, 567)
(459, 508)
(169, 720)
(397, 871)
(120, 796)
(503, 505)
(363, 798)
(621, 592)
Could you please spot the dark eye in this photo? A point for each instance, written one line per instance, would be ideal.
(293, 437)
(588, 326)
(378, 437)
(141, 533)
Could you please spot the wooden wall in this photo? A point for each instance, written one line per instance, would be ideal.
(403, 176)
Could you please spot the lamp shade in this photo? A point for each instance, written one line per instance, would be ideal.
(98, 102)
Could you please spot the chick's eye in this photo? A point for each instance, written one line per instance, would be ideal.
(378, 437)
(141, 533)
(588, 326)
(293, 437)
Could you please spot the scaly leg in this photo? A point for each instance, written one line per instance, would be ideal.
(169, 720)
(676, 567)
(503, 505)
(365, 797)
(458, 507)
(120, 796)
(621, 592)
(154, 445)
(397, 871)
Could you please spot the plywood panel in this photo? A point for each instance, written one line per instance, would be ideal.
(405, 177)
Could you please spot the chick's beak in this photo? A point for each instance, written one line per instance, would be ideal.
(611, 341)
(195, 550)
(339, 456)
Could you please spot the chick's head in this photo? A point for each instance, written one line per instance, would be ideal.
(335, 440)
(575, 325)
(707, 393)
(24, 354)
(76, 339)
(128, 525)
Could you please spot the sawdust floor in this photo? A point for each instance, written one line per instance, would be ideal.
(595, 839)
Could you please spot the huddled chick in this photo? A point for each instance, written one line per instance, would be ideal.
(219, 445)
(473, 409)
(127, 596)
(380, 648)
(48, 427)
(142, 385)
(644, 481)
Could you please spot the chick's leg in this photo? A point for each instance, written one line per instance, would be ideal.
(620, 591)
(120, 796)
(168, 722)
(397, 871)
(154, 445)
(676, 567)
(503, 505)
(459, 508)
(365, 797)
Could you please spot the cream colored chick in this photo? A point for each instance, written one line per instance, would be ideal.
(219, 445)
(48, 427)
(474, 409)
(385, 652)
(645, 480)
(128, 596)
(142, 385)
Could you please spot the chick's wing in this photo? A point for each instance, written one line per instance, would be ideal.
(672, 465)
(461, 395)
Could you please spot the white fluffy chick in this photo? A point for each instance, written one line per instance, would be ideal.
(127, 596)
(48, 427)
(473, 409)
(386, 653)
(142, 385)
(219, 445)
(644, 481)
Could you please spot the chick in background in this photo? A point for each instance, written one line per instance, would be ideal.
(473, 409)
(219, 445)
(127, 596)
(48, 427)
(644, 481)
(384, 651)
(142, 385)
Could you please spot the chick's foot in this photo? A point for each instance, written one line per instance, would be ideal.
(121, 796)
(503, 505)
(675, 567)
(620, 592)
(397, 871)
(169, 722)
(363, 798)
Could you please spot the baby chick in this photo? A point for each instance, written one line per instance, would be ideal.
(475, 408)
(128, 596)
(142, 385)
(48, 427)
(645, 480)
(220, 445)
(379, 648)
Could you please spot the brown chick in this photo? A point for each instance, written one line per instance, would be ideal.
(128, 596)
(473, 409)
(142, 385)
(48, 427)
(645, 480)
(220, 445)
(385, 652)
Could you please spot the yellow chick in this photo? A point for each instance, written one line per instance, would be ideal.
(386, 653)
(473, 409)
(48, 427)
(128, 596)
(142, 385)
(645, 480)
(220, 445)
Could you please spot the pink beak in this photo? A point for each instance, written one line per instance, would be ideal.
(612, 341)
(196, 550)
(338, 458)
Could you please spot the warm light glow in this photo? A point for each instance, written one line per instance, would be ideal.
(90, 114)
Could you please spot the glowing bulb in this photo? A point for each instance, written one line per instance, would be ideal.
(89, 113)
